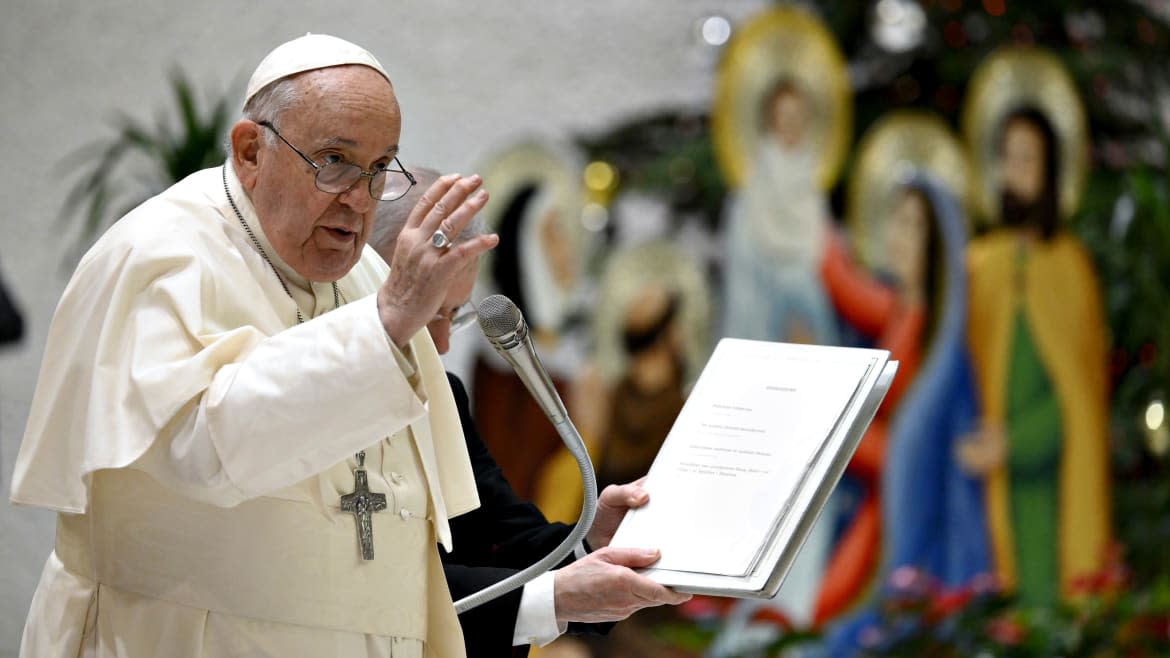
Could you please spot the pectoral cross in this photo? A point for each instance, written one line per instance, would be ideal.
(363, 503)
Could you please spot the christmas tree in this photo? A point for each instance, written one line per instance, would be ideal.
(907, 54)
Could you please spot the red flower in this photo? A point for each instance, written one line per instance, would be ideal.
(948, 602)
(706, 607)
(774, 617)
(1006, 631)
(984, 583)
(1110, 579)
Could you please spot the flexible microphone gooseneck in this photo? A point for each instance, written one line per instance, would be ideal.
(504, 327)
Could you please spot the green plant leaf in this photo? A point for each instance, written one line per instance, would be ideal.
(182, 140)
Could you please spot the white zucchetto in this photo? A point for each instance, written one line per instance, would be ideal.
(312, 51)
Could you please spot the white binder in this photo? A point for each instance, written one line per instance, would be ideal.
(759, 445)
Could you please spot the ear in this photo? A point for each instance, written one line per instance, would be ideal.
(246, 142)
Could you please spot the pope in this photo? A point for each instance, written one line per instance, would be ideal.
(242, 425)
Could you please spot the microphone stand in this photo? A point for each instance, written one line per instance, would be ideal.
(572, 441)
(576, 446)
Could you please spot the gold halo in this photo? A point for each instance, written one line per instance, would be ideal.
(896, 145)
(1007, 79)
(627, 272)
(786, 42)
(557, 167)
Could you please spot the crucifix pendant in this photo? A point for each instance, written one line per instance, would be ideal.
(362, 504)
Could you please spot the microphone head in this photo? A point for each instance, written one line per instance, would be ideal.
(501, 320)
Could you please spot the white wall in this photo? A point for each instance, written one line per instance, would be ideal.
(470, 77)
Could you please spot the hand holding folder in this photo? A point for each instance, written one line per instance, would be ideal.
(758, 447)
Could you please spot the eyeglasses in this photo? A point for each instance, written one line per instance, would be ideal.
(460, 317)
(339, 176)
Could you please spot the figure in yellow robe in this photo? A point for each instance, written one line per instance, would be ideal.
(1037, 336)
(1059, 306)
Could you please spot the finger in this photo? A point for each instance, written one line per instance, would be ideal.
(675, 598)
(629, 557)
(429, 198)
(637, 495)
(624, 495)
(462, 216)
(440, 214)
(654, 593)
(465, 252)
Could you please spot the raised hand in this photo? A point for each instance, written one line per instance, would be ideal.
(422, 272)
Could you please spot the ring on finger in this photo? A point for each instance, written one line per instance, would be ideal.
(440, 240)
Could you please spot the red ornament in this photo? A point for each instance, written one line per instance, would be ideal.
(994, 7)
(1022, 34)
(955, 35)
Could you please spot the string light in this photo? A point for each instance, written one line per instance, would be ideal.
(594, 217)
(898, 25)
(715, 30)
(1155, 415)
(1157, 429)
(600, 177)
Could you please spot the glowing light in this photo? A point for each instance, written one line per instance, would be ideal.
(716, 30)
(890, 11)
(898, 25)
(1157, 429)
(1155, 415)
(594, 217)
(600, 177)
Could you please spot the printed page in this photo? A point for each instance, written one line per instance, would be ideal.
(739, 449)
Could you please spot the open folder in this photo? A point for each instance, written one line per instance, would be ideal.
(751, 459)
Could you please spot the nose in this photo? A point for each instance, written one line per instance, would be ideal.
(357, 197)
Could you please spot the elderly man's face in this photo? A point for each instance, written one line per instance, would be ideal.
(457, 295)
(348, 113)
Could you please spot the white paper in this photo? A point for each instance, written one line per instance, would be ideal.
(754, 422)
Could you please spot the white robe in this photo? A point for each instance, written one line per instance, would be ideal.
(175, 352)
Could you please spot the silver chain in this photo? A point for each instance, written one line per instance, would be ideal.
(337, 296)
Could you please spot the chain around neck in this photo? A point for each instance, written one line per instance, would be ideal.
(337, 297)
(256, 243)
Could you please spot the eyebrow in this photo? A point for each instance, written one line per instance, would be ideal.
(337, 141)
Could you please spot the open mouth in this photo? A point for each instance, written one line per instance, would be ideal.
(340, 233)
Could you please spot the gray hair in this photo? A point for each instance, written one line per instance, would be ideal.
(272, 101)
(390, 216)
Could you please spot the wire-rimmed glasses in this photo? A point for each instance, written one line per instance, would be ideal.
(460, 317)
(339, 176)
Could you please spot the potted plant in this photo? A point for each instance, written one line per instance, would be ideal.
(140, 160)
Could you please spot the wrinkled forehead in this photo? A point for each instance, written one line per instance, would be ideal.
(346, 89)
(345, 107)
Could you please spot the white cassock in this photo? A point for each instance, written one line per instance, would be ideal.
(195, 442)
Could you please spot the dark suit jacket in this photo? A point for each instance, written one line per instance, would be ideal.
(503, 536)
(11, 324)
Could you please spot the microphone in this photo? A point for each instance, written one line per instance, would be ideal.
(504, 327)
